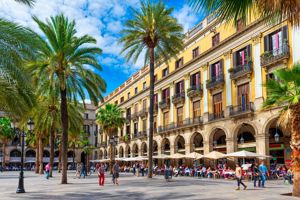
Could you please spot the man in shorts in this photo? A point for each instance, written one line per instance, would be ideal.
(116, 170)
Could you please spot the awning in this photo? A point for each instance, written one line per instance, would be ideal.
(246, 154)
(214, 155)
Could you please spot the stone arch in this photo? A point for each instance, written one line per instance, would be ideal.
(249, 124)
(217, 139)
(30, 153)
(135, 150)
(56, 154)
(71, 154)
(121, 152)
(215, 129)
(15, 153)
(127, 151)
(46, 154)
(165, 146)
(179, 144)
(144, 149)
(196, 142)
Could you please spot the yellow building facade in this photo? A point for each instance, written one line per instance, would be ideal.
(210, 96)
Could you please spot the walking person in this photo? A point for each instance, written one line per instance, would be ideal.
(82, 170)
(142, 169)
(263, 173)
(47, 170)
(256, 175)
(78, 170)
(138, 169)
(238, 175)
(101, 171)
(116, 171)
(134, 168)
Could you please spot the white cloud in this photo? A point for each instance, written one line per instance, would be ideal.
(186, 17)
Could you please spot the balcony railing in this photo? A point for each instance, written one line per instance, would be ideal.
(135, 116)
(128, 117)
(193, 121)
(241, 70)
(140, 134)
(165, 103)
(215, 81)
(275, 55)
(143, 113)
(182, 124)
(103, 144)
(242, 109)
(166, 127)
(178, 98)
(215, 116)
(195, 91)
(125, 138)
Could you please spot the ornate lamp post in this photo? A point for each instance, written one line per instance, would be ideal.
(277, 136)
(22, 134)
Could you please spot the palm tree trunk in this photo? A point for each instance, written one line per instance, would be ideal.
(87, 164)
(51, 150)
(41, 169)
(74, 157)
(59, 159)
(64, 136)
(295, 145)
(37, 157)
(151, 109)
(3, 156)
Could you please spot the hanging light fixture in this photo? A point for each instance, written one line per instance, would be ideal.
(215, 143)
(276, 136)
(242, 140)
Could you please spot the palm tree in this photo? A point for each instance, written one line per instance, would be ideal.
(152, 29)
(68, 62)
(32, 141)
(110, 118)
(286, 92)
(6, 134)
(269, 10)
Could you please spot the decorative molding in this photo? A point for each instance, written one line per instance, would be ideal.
(256, 39)
(187, 76)
(228, 54)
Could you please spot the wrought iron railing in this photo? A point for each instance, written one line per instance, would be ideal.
(164, 103)
(195, 90)
(178, 97)
(241, 109)
(274, 55)
(214, 81)
(241, 70)
(215, 116)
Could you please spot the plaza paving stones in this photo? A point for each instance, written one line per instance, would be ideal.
(135, 188)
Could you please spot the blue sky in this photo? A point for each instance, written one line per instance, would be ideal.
(102, 19)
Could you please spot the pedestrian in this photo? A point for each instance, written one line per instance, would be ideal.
(238, 175)
(78, 170)
(116, 171)
(101, 171)
(142, 169)
(256, 175)
(263, 173)
(82, 170)
(134, 168)
(138, 169)
(47, 170)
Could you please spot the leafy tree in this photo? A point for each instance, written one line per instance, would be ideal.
(153, 29)
(269, 10)
(110, 118)
(6, 135)
(68, 63)
(286, 93)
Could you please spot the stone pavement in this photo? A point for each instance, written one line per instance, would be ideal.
(135, 188)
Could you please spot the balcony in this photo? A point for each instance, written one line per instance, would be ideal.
(143, 113)
(178, 98)
(126, 138)
(167, 127)
(103, 144)
(195, 91)
(214, 116)
(237, 111)
(193, 121)
(165, 103)
(215, 82)
(190, 122)
(274, 56)
(128, 117)
(240, 71)
(135, 116)
(140, 134)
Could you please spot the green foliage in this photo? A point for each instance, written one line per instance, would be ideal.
(152, 26)
(6, 132)
(110, 118)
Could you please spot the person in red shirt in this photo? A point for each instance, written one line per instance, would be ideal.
(101, 171)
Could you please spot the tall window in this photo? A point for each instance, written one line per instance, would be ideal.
(195, 52)
(135, 90)
(144, 85)
(180, 87)
(179, 63)
(165, 72)
(155, 124)
(216, 70)
(135, 128)
(86, 115)
(195, 80)
(242, 57)
(274, 42)
(128, 129)
(128, 112)
(180, 115)
(217, 101)
(196, 109)
(122, 99)
(165, 94)
(128, 95)
(155, 98)
(166, 118)
(216, 39)
(243, 95)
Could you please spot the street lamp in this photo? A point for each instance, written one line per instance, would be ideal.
(215, 143)
(276, 136)
(242, 140)
(22, 134)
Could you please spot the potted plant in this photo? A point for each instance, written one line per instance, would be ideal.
(231, 70)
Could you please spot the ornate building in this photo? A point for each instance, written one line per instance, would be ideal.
(210, 96)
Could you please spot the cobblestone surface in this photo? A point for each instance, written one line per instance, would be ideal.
(131, 187)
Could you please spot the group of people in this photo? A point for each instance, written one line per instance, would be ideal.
(81, 170)
(102, 168)
(138, 168)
